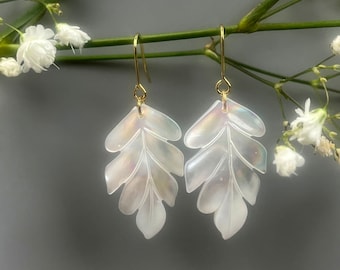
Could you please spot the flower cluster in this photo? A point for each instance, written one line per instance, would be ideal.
(306, 129)
(37, 48)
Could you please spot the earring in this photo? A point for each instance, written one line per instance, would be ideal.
(146, 159)
(227, 158)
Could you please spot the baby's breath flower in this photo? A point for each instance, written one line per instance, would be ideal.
(37, 49)
(325, 147)
(286, 160)
(9, 67)
(335, 45)
(307, 127)
(71, 35)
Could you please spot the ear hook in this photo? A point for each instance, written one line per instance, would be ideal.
(139, 91)
(223, 81)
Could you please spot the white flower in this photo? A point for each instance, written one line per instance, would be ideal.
(307, 127)
(9, 67)
(286, 160)
(71, 35)
(335, 45)
(37, 49)
(325, 147)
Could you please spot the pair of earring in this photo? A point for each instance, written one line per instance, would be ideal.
(225, 164)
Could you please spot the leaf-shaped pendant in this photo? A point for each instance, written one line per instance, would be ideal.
(144, 166)
(225, 163)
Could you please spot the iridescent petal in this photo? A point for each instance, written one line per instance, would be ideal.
(244, 119)
(123, 132)
(160, 124)
(253, 153)
(119, 170)
(214, 190)
(247, 181)
(202, 166)
(169, 156)
(134, 191)
(207, 128)
(231, 215)
(166, 186)
(151, 216)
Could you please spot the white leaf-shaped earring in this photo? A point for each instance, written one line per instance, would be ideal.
(227, 160)
(146, 160)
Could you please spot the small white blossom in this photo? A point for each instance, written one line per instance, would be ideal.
(9, 67)
(286, 160)
(325, 147)
(71, 35)
(335, 45)
(307, 127)
(37, 49)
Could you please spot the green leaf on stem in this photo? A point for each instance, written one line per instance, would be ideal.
(249, 22)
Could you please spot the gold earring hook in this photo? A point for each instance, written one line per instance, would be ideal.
(223, 86)
(139, 91)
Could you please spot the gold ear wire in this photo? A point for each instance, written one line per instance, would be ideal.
(223, 81)
(139, 91)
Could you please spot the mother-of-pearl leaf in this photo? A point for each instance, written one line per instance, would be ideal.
(225, 163)
(144, 165)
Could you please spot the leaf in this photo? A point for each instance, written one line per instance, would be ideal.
(144, 166)
(225, 163)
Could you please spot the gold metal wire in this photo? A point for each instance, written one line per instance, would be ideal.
(223, 86)
(139, 91)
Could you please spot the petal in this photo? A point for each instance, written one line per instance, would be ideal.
(253, 153)
(202, 166)
(166, 154)
(123, 132)
(134, 191)
(119, 170)
(244, 119)
(165, 185)
(151, 216)
(207, 128)
(161, 124)
(247, 181)
(232, 214)
(213, 191)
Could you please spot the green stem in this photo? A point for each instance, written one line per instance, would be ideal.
(214, 56)
(210, 32)
(276, 75)
(211, 54)
(86, 58)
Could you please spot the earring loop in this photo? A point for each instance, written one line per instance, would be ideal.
(223, 86)
(139, 91)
